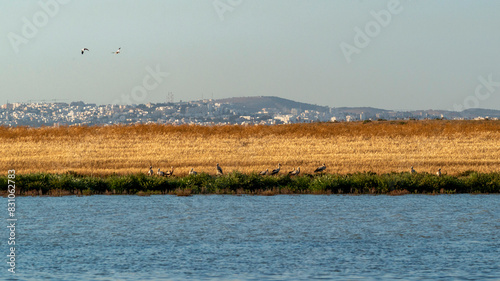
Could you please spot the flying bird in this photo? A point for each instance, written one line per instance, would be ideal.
(84, 49)
(117, 51)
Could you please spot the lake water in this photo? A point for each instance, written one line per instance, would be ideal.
(301, 237)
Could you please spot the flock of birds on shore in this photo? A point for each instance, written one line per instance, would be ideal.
(294, 172)
(219, 172)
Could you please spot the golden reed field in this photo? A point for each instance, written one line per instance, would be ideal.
(379, 146)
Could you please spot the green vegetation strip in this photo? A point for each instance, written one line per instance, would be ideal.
(238, 183)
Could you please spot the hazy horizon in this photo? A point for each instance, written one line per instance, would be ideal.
(395, 55)
(208, 98)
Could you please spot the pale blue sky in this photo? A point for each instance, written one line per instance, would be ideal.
(429, 56)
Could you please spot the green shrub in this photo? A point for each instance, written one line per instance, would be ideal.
(236, 182)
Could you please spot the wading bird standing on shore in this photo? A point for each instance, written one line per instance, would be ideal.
(263, 173)
(160, 173)
(84, 49)
(320, 169)
(275, 171)
(438, 172)
(219, 170)
(192, 172)
(171, 172)
(150, 172)
(412, 171)
(295, 172)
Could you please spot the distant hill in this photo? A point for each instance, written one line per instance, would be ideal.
(251, 105)
(255, 104)
(358, 110)
(473, 112)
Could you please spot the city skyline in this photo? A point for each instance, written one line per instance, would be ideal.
(395, 55)
(241, 111)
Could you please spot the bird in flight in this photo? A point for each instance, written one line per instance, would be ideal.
(84, 49)
(117, 51)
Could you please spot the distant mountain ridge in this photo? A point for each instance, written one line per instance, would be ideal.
(257, 103)
(480, 112)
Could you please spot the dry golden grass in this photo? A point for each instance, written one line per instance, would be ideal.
(454, 146)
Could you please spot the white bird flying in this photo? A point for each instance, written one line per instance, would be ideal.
(117, 51)
(84, 49)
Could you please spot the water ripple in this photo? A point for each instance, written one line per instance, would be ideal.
(305, 237)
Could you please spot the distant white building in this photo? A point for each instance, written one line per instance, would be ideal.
(284, 118)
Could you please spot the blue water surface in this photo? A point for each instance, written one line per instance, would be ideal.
(286, 237)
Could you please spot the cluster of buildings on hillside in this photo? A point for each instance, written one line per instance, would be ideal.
(205, 112)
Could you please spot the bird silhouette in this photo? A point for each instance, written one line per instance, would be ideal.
(320, 169)
(275, 171)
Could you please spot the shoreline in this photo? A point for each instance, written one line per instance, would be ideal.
(236, 183)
